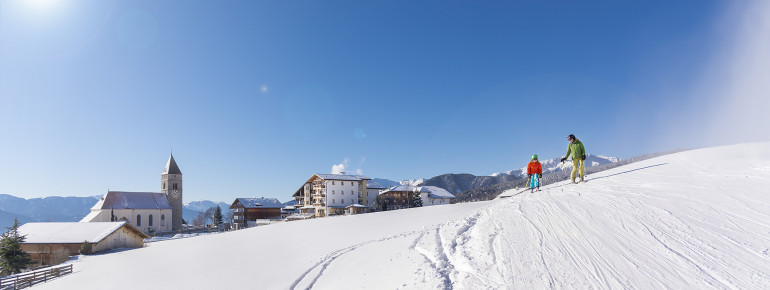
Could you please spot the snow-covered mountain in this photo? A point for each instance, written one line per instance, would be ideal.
(413, 182)
(554, 164)
(688, 220)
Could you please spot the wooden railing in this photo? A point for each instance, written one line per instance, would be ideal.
(29, 279)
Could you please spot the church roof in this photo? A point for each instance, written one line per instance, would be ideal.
(71, 232)
(134, 200)
(171, 167)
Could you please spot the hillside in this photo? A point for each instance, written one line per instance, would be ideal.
(689, 220)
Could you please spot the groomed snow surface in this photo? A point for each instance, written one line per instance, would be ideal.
(692, 220)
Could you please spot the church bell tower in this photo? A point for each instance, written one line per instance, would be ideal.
(171, 186)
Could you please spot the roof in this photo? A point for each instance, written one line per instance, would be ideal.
(258, 203)
(437, 192)
(342, 177)
(72, 232)
(171, 167)
(400, 188)
(432, 191)
(357, 206)
(374, 185)
(133, 200)
(90, 216)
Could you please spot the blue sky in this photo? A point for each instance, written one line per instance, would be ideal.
(256, 96)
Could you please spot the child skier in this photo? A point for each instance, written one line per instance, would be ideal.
(535, 172)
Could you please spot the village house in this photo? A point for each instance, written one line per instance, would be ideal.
(433, 195)
(152, 212)
(331, 194)
(246, 211)
(53, 242)
(401, 196)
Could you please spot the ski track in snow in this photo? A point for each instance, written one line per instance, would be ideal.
(594, 235)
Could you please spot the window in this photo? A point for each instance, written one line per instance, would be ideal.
(138, 220)
(334, 201)
(174, 185)
(163, 220)
(351, 193)
(342, 183)
(351, 201)
(149, 221)
(164, 185)
(332, 191)
(332, 182)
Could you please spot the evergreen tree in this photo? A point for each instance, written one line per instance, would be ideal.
(85, 248)
(12, 258)
(416, 200)
(217, 218)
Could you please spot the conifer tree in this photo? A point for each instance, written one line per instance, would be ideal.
(85, 248)
(113, 218)
(12, 258)
(416, 200)
(217, 218)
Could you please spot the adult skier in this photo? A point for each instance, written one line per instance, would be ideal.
(578, 157)
(535, 172)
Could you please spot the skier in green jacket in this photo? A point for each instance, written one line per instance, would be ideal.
(578, 157)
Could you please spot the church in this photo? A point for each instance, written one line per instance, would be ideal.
(151, 212)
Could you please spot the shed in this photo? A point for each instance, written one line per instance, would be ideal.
(49, 243)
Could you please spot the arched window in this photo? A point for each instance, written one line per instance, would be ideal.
(175, 186)
(149, 222)
(138, 220)
(164, 185)
(163, 220)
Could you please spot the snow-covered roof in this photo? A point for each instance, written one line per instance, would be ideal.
(400, 188)
(71, 232)
(356, 205)
(374, 185)
(432, 191)
(90, 216)
(342, 177)
(436, 192)
(134, 200)
(258, 202)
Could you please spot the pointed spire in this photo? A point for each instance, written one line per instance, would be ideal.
(171, 167)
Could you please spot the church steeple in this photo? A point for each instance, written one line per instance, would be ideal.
(171, 186)
(171, 167)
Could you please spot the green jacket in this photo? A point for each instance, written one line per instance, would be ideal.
(577, 150)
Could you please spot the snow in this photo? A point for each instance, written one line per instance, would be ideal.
(691, 220)
(67, 232)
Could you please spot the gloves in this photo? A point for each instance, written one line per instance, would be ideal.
(539, 176)
(529, 175)
(584, 157)
(562, 160)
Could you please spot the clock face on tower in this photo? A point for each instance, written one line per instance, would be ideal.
(175, 193)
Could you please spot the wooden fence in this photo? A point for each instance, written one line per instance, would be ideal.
(29, 279)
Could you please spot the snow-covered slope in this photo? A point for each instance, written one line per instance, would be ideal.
(553, 164)
(692, 220)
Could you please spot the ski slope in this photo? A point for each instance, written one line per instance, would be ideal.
(691, 220)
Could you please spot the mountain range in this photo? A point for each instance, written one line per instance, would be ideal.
(457, 183)
(72, 208)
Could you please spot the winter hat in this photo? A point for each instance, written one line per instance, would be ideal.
(572, 136)
(534, 156)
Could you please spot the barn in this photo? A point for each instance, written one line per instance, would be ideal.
(53, 242)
